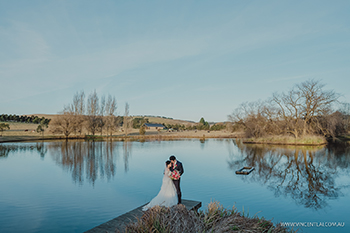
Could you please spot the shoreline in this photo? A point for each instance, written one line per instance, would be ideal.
(155, 136)
(113, 138)
(286, 144)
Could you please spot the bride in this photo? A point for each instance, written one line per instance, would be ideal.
(167, 195)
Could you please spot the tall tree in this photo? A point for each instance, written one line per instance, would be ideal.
(126, 120)
(315, 101)
(102, 121)
(111, 107)
(78, 108)
(93, 112)
(345, 110)
(305, 109)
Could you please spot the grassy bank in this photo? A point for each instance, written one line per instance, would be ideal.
(26, 138)
(34, 138)
(215, 218)
(113, 138)
(287, 140)
(161, 136)
(26, 132)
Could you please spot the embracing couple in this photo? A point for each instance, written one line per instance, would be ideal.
(170, 192)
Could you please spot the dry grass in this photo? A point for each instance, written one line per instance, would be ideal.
(215, 218)
(288, 140)
(18, 129)
(203, 133)
(160, 219)
(25, 131)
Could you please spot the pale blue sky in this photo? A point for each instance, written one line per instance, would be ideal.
(181, 59)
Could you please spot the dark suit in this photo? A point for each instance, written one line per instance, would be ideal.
(180, 169)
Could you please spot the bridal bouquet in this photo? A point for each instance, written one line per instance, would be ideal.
(175, 175)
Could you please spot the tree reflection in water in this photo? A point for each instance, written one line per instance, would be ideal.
(89, 159)
(84, 159)
(306, 174)
(127, 153)
(40, 147)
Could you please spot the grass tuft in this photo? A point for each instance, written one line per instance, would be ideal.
(215, 218)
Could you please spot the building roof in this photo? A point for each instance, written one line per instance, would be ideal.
(153, 125)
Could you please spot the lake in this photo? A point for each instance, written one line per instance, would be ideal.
(60, 186)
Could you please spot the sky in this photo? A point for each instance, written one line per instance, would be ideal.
(179, 59)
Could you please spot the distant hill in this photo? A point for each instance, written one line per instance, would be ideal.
(152, 119)
(163, 120)
(48, 116)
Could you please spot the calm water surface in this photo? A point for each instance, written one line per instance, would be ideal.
(73, 186)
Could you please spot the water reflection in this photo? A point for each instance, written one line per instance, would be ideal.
(127, 153)
(40, 147)
(85, 160)
(90, 160)
(306, 174)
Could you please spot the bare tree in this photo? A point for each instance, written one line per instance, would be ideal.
(78, 108)
(289, 111)
(345, 110)
(101, 115)
(71, 119)
(126, 120)
(93, 113)
(316, 102)
(333, 125)
(110, 108)
(305, 109)
(78, 102)
(64, 124)
(256, 118)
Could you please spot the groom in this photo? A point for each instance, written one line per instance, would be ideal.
(177, 165)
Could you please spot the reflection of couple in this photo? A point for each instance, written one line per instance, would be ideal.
(170, 192)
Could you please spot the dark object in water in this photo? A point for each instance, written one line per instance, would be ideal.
(245, 170)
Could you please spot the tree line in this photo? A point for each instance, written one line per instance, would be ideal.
(24, 119)
(201, 125)
(138, 122)
(94, 114)
(164, 117)
(306, 109)
(97, 115)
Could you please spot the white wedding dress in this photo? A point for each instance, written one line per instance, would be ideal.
(167, 195)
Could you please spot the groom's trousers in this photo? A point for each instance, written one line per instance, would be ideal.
(178, 190)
